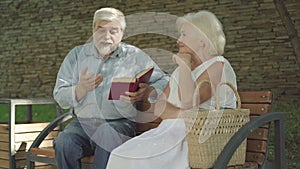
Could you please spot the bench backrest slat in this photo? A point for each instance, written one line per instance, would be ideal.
(257, 142)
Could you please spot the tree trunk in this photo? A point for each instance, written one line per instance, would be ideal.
(290, 27)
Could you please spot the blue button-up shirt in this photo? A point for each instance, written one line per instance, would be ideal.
(126, 61)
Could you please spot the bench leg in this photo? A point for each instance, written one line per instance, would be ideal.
(30, 164)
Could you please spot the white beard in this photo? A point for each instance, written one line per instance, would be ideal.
(105, 50)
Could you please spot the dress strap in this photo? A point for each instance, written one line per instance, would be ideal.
(205, 65)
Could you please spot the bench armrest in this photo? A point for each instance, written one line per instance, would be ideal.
(43, 134)
(242, 134)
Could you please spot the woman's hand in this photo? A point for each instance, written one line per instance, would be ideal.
(183, 59)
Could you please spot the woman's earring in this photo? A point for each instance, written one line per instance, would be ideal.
(202, 43)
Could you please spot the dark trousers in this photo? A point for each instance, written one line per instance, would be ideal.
(85, 137)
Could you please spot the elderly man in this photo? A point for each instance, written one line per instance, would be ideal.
(83, 84)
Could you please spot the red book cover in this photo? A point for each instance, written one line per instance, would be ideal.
(120, 85)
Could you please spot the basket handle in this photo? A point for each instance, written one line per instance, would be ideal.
(232, 88)
(195, 97)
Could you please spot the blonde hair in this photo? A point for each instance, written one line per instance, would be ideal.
(209, 25)
(110, 14)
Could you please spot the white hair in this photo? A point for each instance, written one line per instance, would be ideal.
(110, 14)
(209, 25)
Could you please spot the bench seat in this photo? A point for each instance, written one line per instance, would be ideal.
(259, 103)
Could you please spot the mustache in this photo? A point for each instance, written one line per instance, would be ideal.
(106, 41)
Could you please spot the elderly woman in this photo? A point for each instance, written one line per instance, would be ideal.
(201, 45)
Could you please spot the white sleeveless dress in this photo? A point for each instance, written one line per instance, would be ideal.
(165, 147)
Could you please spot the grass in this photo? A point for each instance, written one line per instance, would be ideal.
(292, 127)
(40, 113)
(291, 131)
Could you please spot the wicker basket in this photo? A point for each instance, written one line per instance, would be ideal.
(208, 131)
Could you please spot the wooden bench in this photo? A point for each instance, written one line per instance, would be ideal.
(16, 136)
(256, 131)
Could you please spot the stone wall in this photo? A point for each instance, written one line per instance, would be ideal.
(36, 35)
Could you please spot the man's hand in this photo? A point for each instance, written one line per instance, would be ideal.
(87, 82)
(141, 95)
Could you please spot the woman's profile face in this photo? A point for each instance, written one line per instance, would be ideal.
(189, 40)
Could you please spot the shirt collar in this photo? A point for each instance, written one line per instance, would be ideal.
(116, 53)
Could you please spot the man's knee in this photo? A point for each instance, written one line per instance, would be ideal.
(64, 142)
(109, 137)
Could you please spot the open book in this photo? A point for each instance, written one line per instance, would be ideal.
(121, 85)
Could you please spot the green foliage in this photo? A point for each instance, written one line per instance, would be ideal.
(291, 131)
(40, 113)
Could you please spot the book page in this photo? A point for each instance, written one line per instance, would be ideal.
(124, 79)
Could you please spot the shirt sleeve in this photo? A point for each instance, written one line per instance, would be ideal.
(66, 81)
(159, 79)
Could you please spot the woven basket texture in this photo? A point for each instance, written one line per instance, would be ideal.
(208, 131)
